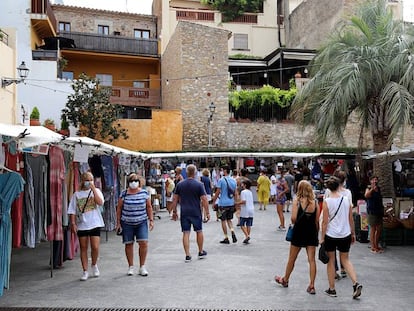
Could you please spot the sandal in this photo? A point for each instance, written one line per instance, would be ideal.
(311, 290)
(280, 280)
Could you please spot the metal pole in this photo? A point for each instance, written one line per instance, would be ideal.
(209, 133)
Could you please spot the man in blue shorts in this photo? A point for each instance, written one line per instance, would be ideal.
(226, 192)
(191, 195)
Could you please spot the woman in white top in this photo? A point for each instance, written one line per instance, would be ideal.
(338, 232)
(86, 221)
(346, 193)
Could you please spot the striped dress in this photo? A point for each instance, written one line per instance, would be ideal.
(134, 210)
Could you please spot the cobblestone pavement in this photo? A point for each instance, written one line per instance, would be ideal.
(235, 276)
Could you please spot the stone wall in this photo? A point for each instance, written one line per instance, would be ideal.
(194, 68)
(87, 20)
(311, 22)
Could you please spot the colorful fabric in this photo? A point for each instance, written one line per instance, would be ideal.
(11, 184)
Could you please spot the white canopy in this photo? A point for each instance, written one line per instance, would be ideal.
(29, 136)
(100, 147)
(242, 154)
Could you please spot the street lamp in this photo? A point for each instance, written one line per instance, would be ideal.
(212, 109)
(23, 73)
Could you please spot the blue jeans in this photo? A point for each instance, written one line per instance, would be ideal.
(131, 233)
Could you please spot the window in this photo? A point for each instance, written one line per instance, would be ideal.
(240, 41)
(139, 84)
(64, 26)
(67, 75)
(142, 34)
(103, 30)
(104, 79)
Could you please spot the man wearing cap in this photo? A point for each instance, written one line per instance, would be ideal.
(225, 192)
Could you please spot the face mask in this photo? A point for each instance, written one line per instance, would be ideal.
(133, 185)
(87, 184)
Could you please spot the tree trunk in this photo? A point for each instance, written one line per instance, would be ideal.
(383, 166)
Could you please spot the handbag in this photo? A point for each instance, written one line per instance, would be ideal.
(80, 217)
(289, 233)
(322, 254)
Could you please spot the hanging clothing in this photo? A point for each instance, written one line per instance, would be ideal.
(14, 161)
(39, 168)
(29, 228)
(56, 180)
(11, 184)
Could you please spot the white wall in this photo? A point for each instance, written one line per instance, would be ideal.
(42, 88)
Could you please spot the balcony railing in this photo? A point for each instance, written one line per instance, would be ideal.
(194, 16)
(4, 37)
(245, 19)
(112, 44)
(132, 96)
(44, 55)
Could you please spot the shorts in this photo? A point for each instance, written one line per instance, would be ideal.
(131, 233)
(374, 220)
(288, 196)
(92, 232)
(341, 244)
(209, 198)
(246, 221)
(187, 221)
(226, 212)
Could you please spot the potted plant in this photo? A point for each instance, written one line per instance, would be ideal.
(64, 126)
(50, 124)
(34, 117)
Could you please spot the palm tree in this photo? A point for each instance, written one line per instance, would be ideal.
(366, 68)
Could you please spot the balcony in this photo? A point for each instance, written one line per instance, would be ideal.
(44, 55)
(194, 16)
(132, 96)
(112, 44)
(43, 19)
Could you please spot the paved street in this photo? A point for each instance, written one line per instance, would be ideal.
(232, 276)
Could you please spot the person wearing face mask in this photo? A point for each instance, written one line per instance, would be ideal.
(86, 220)
(134, 218)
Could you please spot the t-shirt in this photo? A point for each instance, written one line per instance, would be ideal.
(224, 199)
(134, 209)
(190, 192)
(339, 226)
(207, 183)
(92, 215)
(247, 209)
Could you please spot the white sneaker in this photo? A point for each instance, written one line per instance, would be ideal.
(130, 270)
(143, 271)
(95, 271)
(84, 276)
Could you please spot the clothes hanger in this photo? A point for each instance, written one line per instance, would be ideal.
(2, 167)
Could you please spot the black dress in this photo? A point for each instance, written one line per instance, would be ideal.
(305, 232)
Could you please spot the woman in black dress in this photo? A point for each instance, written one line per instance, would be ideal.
(305, 216)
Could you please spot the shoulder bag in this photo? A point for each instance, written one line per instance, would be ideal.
(230, 191)
(79, 213)
(289, 233)
(322, 254)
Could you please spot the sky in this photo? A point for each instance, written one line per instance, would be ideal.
(130, 6)
(408, 10)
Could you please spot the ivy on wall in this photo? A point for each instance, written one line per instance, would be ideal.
(267, 103)
(230, 9)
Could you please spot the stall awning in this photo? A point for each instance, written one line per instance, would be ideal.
(99, 147)
(29, 136)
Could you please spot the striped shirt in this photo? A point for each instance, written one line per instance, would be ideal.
(134, 210)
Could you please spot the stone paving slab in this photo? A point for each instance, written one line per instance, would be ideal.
(232, 277)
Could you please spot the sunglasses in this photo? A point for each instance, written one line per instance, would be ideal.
(134, 180)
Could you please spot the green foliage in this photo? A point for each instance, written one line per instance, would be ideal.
(35, 115)
(90, 109)
(49, 121)
(231, 9)
(244, 56)
(263, 102)
(64, 124)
